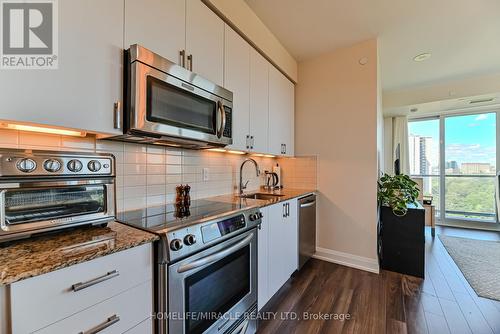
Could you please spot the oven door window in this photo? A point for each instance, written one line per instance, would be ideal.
(40, 204)
(216, 288)
(170, 105)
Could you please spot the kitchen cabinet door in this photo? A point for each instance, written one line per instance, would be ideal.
(204, 41)
(277, 248)
(158, 25)
(237, 80)
(82, 92)
(259, 102)
(292, 236)
(281, 113)
(263, 261)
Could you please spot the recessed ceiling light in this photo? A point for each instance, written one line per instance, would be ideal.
(422, 57)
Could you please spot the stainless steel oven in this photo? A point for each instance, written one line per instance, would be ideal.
(42, 191)
(167, 104)
(210, 291)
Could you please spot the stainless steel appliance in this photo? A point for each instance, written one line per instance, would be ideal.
(307, 228)
(206, 279)
(167, 104)
(43, 191)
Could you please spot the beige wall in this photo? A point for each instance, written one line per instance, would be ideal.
(244, 20)
(336, 119)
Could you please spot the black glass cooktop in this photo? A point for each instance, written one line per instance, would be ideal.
(161, 219)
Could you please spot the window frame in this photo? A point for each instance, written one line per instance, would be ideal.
(459, 222)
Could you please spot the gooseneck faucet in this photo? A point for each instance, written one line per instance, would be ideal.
(244, 186)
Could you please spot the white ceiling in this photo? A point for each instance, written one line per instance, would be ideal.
(462, 35)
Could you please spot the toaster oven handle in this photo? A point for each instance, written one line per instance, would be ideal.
(2, 209)
(216, 256)
(223, 119)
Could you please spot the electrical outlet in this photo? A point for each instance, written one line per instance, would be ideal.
(206, 174)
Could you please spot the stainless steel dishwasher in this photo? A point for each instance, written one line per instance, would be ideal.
(307, 228)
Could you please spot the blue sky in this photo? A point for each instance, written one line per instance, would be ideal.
(468, 138)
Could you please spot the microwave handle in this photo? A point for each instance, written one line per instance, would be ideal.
(223, 120)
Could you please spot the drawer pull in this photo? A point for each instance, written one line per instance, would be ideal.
(110, 321)
(83, 285)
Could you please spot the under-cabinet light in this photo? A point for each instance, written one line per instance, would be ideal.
(32, 128)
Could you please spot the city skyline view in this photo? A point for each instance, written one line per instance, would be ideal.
(469, 152)
(468, 139)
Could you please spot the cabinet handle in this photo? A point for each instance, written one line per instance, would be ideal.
(248, 142)
(108, 322)
(117, 115)
(190, 62)
(284, 211)
(284, 148)
(288, 209)
(83, 285)
(183, 58)
(252, 141)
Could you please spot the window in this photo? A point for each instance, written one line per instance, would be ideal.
(424, 156)
(470, 155)
(457, 164)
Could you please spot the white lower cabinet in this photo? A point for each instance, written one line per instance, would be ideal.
(277, 249)
(263, 264)
(115, 315)
(86, 295)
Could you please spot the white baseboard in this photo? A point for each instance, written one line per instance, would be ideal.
(346, 259)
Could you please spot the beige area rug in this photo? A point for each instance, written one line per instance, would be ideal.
(479, 261)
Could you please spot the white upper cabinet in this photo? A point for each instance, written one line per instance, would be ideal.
(82, 92)
(237, 80)
(281, 113)
(204, 42)
(259, 102)
(158, 25)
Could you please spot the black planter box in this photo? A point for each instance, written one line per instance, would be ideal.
(402, 241)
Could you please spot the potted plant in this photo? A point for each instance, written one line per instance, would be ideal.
(401, 226)
(397, 192)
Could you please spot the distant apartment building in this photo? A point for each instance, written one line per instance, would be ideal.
(420, 158)
(420, 155)
(476, 168)
(451, 167)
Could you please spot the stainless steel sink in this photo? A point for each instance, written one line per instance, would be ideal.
(262, 196)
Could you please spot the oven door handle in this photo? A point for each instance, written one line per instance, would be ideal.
(216, 256)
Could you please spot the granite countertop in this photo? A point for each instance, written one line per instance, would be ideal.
(285, 195)
(39, 255)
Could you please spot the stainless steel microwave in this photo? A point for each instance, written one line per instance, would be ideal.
(167, 104)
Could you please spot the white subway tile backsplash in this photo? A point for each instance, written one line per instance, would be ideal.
(147, 175)
(134, 169)
(156, 159)
(28, 139)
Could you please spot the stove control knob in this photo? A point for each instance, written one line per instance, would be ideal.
(260, 215)
(176, 244)
(94, 165)
(253, 217)
(189, 239)
(26, 165)
(52, 165)
(75, 165)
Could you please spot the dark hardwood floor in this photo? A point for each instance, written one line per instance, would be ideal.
(386, 303)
